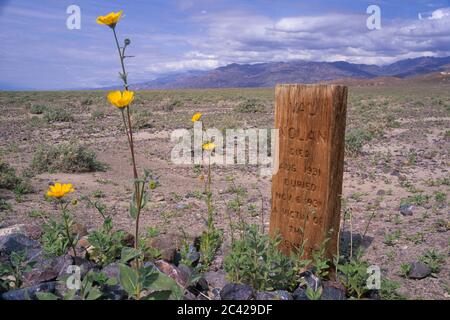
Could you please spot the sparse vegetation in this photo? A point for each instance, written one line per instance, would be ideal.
(355, 139)
(402, 163)
(58, 115)
(38, 109)
(249, 106)
(142, 119)
(433, 259)
(65, 158)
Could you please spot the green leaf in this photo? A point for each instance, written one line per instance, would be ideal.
(133, 210)
(144, 200)
(165, 283)
(94, 294)
(128, 254)
(159, 295)
(46, 296)
(128, 279)
(111, 282)
(70, 295)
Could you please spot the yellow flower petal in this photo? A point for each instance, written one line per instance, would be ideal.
(121, 99)
(209, 146)
(110, 19)
(196, 117)
(59, 190)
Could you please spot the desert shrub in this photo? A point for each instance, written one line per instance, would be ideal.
(433, 259)
(68, 158)
(97, 114)
(18, 265)
(36, 121)
(210, 242)
(58, 115)
(388, 290)
(107, 244)
(4, 206)
(10, 181)
(249, 106)
(38, 109)
(141, 119)
(172, 105)
(87, 102)
(56, 240)
(92, 287)
(8, 177)
(255, 259)
(353, 275)
(355, 140)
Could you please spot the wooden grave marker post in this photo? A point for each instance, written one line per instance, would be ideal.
(306, 189)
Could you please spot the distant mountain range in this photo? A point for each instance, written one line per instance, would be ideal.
(269, 74)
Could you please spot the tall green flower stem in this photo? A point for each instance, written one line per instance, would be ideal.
(138, 196)
(67, 224)
(210, 222)
(211, 238)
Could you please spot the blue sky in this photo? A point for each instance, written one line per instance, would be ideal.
(38, 51)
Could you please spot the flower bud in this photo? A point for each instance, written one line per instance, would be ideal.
(127, 42)
(152, 184)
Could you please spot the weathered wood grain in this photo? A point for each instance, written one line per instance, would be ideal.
(307, 188)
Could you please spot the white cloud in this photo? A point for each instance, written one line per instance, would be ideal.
(183, 65)
(440, 13)
(246, 38)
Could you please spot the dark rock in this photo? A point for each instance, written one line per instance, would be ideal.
(381, 192)
(189, 271)
(29, 292)
(406, 209)
(234, 291)
(46, 270)
(333, 291)
(374, 295)
(300, 294)
(216, 279)
(189, 296)
(111, 270)
(113, 292)
(193, 255)
(311, 280)
(17, 242)
(273, 295)
(418, 270)
(395, 172)
(202, 297)
(202, 285)
(84, 264)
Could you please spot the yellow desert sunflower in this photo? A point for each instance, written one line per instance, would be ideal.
(121, 99)
(59, 190)
(208, 146)
(110, 19)
(196, 117)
